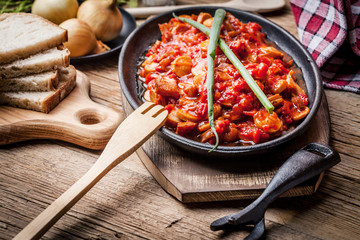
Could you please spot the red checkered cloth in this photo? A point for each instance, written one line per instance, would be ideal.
(330, 30)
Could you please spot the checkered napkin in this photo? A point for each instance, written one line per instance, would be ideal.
(330, 30)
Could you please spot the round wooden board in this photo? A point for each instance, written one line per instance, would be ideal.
(192, 178)
(77, 119)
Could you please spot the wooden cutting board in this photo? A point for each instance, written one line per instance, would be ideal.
(191, 178)
(77, 119)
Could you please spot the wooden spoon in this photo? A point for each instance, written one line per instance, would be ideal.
(129, 136)
(246, 5)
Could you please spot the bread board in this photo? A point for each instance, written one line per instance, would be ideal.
(193, 178)
(77, 119)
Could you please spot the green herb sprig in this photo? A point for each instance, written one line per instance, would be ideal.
(10, 6)
(211, 51)
(237, 64)
(14, 6)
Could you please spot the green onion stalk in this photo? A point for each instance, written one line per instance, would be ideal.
(211, 52)
(237, 64)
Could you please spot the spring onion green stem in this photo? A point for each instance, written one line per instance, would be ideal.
(236, 62)
(211, 52)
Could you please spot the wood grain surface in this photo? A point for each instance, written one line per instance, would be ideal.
(194, 178)
(129, 204)
(134, 131)
(77, 119)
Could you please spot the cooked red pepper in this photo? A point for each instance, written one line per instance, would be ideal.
(174, 73)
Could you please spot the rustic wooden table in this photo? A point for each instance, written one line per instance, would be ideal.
(129, 204)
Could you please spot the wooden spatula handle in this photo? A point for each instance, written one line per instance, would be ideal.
(128, 137)
(61, 205)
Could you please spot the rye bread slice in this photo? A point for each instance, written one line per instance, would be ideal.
(42, 101)
(24, 34)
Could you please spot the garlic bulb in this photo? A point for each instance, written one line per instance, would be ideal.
(103, 17)
(54, 10)
(81, 39)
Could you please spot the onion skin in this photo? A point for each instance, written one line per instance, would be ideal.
(81, 39)
(103, 16)
(54, 10)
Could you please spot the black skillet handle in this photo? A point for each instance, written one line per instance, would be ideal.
(306, 163)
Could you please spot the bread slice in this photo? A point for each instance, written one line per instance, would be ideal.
(47, 60)
(24, 34)
(45, 81)
(42, 101)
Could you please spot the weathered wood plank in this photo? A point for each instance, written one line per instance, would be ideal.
(129, 204)
(73, 120)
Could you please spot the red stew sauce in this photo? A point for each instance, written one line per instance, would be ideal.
(174, 75)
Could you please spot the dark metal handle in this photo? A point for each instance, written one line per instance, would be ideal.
(306, 163)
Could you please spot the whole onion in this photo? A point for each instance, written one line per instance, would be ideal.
(54, 10)
(81, 39)
(103, 16)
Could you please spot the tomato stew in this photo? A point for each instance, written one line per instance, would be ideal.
(174, 75)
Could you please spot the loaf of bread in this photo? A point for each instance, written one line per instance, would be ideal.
(35, 70)
(45, 81)
(42, 101)
(23, 34)
(47, 60)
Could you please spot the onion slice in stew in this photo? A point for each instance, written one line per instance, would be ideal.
(236, 62)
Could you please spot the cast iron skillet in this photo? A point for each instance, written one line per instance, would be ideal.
(145, 35)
